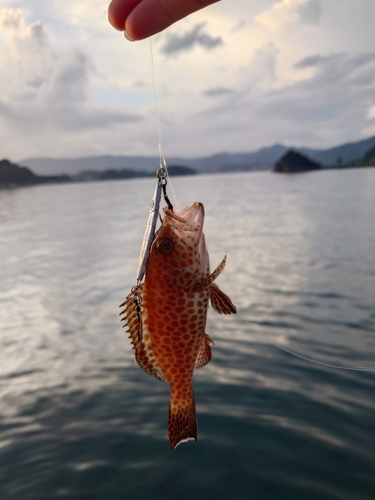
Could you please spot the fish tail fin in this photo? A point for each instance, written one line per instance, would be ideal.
(182, 425)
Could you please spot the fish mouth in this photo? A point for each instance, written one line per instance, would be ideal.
(185, 225)
(192, 214)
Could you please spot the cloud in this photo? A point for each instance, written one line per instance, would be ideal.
(371, 113)
(190, 39)
(289, 12)
(69, 81)
(357, 68)
(308, 62)
(260, 74)
(217, 92)
(241, 24)
(309, 12)
(46, 93)
(321, 110)
(11, 19)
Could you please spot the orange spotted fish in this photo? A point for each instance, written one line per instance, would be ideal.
(166, 317)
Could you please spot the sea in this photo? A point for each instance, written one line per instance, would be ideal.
(79, 420)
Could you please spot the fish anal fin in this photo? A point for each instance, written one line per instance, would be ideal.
(220, 302)
(144, 355)
(182, 422)
(148, 363)
(205, 353)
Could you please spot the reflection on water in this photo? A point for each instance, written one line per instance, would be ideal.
(78, 418)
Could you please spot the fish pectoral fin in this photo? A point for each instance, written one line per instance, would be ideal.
(204, 283)
(218, 270)
(144, 355)
(205, 353)
(220, 302)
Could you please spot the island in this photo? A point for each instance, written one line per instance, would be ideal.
(293, 162)
(12, 175)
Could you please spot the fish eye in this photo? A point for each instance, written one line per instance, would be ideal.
(165, 246)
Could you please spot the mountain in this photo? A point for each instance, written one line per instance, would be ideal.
(346, 152)
(369, 157)
(262, 159)
(368, 160)
(73, 166)
(11, 175)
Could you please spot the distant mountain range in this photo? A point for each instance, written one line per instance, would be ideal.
(12, 175)
(262, 159)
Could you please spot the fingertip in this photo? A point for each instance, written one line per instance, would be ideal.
(128, 37)
(119, 10)
(145, 20)
(114, 16)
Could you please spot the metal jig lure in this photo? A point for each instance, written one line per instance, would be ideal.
(148, 238)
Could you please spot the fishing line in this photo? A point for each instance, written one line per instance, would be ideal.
(163, 163)
(305, 358)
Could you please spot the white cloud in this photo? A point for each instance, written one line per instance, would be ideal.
(261, 71)
(320, 111)
(11, 19)
(44, 93)
(371, 113)
(290, 12)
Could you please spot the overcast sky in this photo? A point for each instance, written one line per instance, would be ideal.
(237, 76)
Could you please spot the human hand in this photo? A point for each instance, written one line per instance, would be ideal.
(143, 18)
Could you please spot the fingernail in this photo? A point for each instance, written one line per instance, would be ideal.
(126, 35)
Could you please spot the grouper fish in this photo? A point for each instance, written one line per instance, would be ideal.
(171, 313)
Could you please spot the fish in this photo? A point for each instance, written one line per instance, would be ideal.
(166, 315)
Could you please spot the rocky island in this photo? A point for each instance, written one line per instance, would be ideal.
(293, 162)
(12, 175)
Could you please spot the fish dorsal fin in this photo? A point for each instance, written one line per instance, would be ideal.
(205, 353)
(144, 355)
(220, 302)
(206, 282)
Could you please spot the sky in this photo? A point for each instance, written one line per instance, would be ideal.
(235, 77)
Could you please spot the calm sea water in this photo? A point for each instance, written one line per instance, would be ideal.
(79, 420)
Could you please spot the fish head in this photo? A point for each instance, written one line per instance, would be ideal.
(179, 250)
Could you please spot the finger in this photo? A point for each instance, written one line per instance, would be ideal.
(152, 16)
(119, 10)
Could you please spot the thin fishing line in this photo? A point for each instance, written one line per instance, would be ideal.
(163, 163)
(305, 358)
